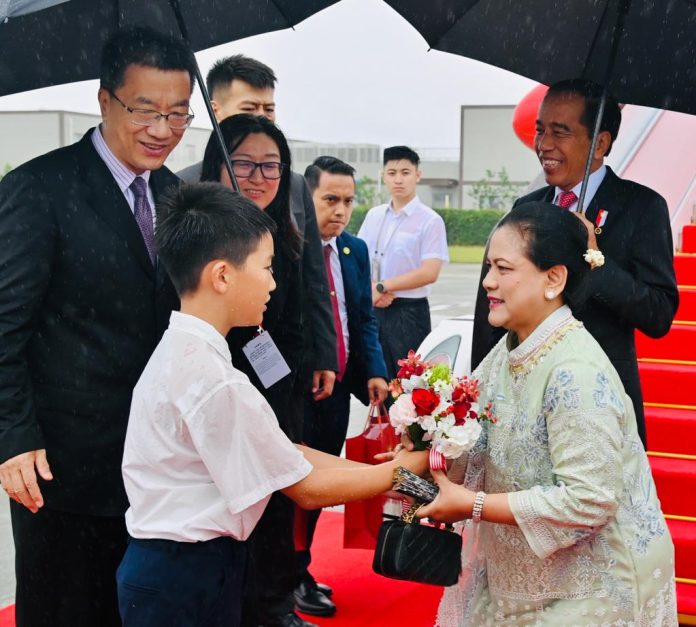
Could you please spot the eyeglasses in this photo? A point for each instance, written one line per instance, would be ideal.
(270, 170)
(150, 117)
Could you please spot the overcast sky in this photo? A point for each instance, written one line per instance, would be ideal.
(355, 72)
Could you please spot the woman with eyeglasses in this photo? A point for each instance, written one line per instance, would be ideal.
(260, 159)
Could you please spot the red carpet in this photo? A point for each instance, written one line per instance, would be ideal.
(363, 598)
(668, 378)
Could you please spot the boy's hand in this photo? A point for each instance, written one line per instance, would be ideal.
(415, 461)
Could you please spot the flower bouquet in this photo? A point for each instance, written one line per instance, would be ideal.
(436, 409)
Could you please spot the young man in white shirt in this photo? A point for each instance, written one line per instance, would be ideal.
(203, 449)
(407, 243)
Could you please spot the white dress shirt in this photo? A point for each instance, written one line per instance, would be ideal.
(203, 450)
(123, 175)
(403, 240)
(593, 184)
(337, 274)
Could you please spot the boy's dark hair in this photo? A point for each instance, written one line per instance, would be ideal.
(330, 165)
(591, 93)
(235, 130)
(397, 153)
(141, 45)
(240, 68)
(554, 237)
(205, 221)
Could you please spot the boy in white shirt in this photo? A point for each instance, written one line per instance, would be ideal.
(203, 450)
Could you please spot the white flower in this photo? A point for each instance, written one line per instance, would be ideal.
(452, 442)
(428, 423)
(443, 388)
(402, 413)
(594, 257)
(414, 382)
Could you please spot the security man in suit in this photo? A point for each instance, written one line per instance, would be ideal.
(636, 287)
(83, 303)
(361, 366)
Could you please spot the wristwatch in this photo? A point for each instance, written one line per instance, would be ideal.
(379, 286)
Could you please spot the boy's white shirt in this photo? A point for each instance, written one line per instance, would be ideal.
(203, 449)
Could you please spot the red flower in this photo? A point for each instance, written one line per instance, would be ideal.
(410, 366)
(425, 401)
(461, 412)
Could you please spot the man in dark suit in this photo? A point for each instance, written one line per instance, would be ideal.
(636, 287)
(83, 303)
(362, 370)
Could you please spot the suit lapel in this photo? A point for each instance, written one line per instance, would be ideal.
(106, 200)
(607, 198)
(349, 271)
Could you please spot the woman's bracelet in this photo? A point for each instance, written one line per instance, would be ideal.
(478, 507)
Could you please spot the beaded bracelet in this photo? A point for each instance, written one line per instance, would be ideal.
(478, 507)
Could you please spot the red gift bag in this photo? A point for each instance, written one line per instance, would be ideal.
(362, 519)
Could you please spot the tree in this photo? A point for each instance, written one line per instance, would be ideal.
(7, 168)
(496, 191)
(366, 195)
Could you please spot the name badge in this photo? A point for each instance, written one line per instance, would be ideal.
(266, 360)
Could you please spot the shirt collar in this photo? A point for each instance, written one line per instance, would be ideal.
(408, 209)
(123, 175)
(332, 243)
(187, 323)
(593, 184)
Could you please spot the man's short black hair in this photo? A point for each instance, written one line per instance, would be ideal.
(398, 153)
(141, 45)
(330, 165)
(240, 68)
(201, 222)
(591, 93)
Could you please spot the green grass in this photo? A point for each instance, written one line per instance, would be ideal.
(466, 254)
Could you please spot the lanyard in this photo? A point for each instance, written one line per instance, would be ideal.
(400, 221)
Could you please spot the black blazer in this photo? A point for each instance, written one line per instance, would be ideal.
(365, 358)
(320, 335)
(81, 310)
(636, 287)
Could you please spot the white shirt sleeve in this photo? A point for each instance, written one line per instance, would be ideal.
(434, 240)
(238, 439)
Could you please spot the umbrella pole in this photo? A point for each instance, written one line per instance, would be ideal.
(206, 97)
(615, 39)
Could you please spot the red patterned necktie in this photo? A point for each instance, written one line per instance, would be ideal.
(566, 199)
(340, 341)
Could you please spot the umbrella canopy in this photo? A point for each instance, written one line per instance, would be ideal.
(552, 40)
(50, 42)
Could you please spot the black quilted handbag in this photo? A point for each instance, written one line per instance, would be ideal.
(418, 552)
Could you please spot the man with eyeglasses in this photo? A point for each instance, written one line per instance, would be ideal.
(83, 303)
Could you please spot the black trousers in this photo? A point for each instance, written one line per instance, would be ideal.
(66, 568)
(402, 327)
(325, 427)
(162, 583)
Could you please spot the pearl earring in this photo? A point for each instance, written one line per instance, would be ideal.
(550, 294)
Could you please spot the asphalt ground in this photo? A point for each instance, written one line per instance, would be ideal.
(453, 295)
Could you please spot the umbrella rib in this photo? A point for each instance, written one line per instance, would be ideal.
(283, 15)
(454, 23)
(596, 36)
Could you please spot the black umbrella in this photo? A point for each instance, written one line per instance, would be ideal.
(643, 51)
(50, 42)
